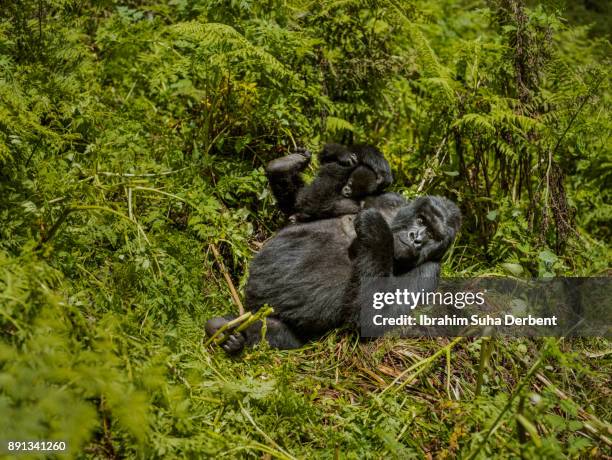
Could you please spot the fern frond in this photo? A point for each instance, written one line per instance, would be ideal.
(222, 36)
(335, 124)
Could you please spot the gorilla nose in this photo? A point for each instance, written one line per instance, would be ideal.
(416, 239)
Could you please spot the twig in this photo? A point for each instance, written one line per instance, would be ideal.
(583, 414)
(587, 96)
(70, 209)
(282, 453)
(552, 151)
(171, 195)
(227, 277)
(423, 364)
(430, 169)
(498, 421)
(227, 326)
(166, 173)
(259, 316)
(486, 346)
(129, 199)
(244, 321)
(448, 373)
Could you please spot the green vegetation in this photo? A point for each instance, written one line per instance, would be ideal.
(132, 139)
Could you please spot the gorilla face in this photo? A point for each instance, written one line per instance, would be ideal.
(423, 230)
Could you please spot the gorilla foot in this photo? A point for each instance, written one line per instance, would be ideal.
(304, 152)
(235, 340)
(299, 217)
(234, 343)
(295, 162)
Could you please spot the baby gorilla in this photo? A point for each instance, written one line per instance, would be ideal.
(346, 175)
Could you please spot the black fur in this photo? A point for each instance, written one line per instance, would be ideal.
(361, 183)
(338, 153)
(323, 197)
(371, 157)
(316, 274)
(346, 175)
(284, 177)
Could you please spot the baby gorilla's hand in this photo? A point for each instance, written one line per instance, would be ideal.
(347, 159)
(339, 154)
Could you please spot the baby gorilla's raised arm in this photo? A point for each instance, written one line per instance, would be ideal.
(337, 153)
(323, 198)
(371, 157)
(346, 176)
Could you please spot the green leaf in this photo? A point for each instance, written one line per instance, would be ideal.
(515, 269)
(492, 215)
(335, 124)
(555, 421)
(530, 428)
(575, 425)
(547, 256)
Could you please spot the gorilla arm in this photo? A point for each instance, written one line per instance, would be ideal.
(371, 157)
(372, 255)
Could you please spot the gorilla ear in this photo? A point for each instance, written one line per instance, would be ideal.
(445, 212)
(453, 215)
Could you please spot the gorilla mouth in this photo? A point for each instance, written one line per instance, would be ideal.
(404, 248)
(405, 240)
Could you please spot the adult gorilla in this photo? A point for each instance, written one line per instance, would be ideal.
(315, 274)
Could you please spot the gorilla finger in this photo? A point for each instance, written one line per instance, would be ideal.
(304, 152)
(234, 343)
(347, 159)
(368, 220)
(373, 232)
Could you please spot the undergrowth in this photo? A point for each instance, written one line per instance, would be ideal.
(132, 142)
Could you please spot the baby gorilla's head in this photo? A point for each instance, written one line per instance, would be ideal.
(361, 183)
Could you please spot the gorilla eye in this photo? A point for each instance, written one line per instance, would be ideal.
(419, 220)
